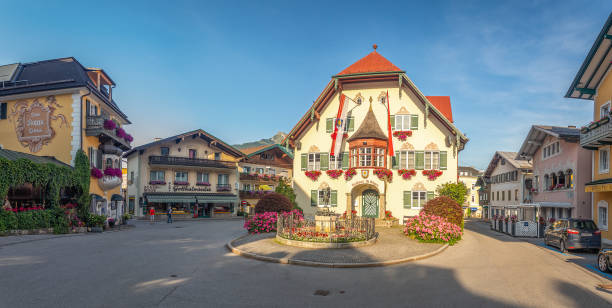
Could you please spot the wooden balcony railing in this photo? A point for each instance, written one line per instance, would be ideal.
(186, 161)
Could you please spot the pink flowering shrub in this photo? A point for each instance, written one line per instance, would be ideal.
(261, 223)
(432, 229)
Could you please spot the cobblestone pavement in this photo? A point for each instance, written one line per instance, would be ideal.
(392, 244)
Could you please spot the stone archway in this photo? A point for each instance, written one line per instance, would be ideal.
(367, 194)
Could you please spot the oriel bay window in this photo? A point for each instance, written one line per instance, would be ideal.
(368, 157)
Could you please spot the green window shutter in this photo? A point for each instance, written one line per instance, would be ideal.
(324, 161)
(351, 124)
(443, 157)
(334, 198)
(392, 122)
(345, 160)
(329, 125)
(407, 199)
(314, 196)
(414, 122)
(304, 161)
(430, 195)
(99, 159)
(395, 160)
(420, 160)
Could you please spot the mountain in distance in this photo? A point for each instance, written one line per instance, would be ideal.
(276, 139)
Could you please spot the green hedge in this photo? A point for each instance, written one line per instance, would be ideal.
(41, 219)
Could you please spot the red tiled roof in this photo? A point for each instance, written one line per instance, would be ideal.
(373, 62)
(443, 104)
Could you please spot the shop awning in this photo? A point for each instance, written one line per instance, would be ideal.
(117, 197)
(217, 199)
(598, 186)
(96, 197)
(171, 198)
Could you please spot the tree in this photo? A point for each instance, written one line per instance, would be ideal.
(446, 207)
(285, 189)
(456, 191)
(273, 202)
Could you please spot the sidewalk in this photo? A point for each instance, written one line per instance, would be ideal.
(18, 239)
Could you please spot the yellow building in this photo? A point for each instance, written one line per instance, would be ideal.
(594, 82)
(56, 107)
(469, 176)
(194, 173)
(361, 176)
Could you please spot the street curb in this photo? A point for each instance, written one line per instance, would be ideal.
(255, 256)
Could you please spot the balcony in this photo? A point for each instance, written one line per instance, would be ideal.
(224, 187)
(596, 134)
(259, 177)
(95, 127)
(193, 162)
(253, 194)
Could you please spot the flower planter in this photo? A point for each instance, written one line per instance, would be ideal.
(541, 229)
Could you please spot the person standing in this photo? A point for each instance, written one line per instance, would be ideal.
(152, 214)
(170, 215)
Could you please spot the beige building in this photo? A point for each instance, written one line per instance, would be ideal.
(469, 176)
(507, 175)
(195, 173)
(361, 176)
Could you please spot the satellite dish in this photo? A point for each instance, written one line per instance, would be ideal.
(449, 140)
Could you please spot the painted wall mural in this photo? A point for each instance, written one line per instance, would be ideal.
(33, 122)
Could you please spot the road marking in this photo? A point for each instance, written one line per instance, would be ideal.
(596, 270)
(554, 249)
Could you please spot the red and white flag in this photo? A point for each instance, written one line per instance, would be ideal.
(339, 127)
(390, 138)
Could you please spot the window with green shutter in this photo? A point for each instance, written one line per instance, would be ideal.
(394, 160)
(443, 158)
(314, 196)
(393, 122)
(430, 195)
(334, 198)
(329, 125)
(304, 161)
(324, 161)
(351, 124)
(420, 160)
(345, 160)
(407, 199)
(414, 123)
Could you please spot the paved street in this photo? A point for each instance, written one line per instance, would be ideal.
(186, 264)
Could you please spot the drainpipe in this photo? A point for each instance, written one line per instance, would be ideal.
(81, 134)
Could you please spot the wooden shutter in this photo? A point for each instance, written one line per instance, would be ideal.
(334, 198)
(395, 160)
(419, 157)
(98, 159)
(90, 155)
(430, 195)
(345, 160)
(329, 125)
(304, 161)
(351, 124)
(314, 196)
(407, 199)
(443, 157)
(87, 108)
(393, 122)
(324, 161)
(414, 122)
(3, 114)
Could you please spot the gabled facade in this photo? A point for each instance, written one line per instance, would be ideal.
(507, 175)
(593, 82)
(261, 170)
(56, 107)
(362, 176)
(195, 173)
(561, 168)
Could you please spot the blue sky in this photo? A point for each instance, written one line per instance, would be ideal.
(245, 70)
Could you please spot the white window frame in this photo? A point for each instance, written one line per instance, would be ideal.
(406, 120)
(404, 159)
(176, 178)
(379, 157)
(322, 195)
(607, 156)
(366, 154)
(429, 165)
(157, 177)
(225, 178)
(606, 106)
(200, 177)
(551, 150)
(421, 203)
(335, 162)
(314, 161)
(602, 204)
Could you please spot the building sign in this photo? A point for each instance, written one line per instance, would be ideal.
(190, 188)
(370, 182)
(33, 122)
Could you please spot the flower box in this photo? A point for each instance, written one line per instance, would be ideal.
(402, 135)
(334, 174)
(349, 174)
(406, 174)
(313, 175)
(202, 184)
(181, 183)
(432, 174)
(384, 174)
(157, 183)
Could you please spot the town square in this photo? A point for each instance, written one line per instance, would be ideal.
(281, 154)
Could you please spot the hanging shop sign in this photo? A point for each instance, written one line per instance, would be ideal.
(33, 122)
(190, 188)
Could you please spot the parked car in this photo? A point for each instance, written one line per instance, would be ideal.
(604, 260)
(573, 233)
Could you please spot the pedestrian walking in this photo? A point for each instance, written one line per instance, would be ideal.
(170, 215)
(152, 214)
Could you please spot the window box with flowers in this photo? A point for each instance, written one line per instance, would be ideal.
(350, 173)
(406, 174)
(402, 134)
(432, 174)
(384, 174)
(313, 174)
(157, 182)
(202, 184)
(334, 174)
(96, 173)
(181, 183)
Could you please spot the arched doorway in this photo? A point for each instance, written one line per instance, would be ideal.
(369, 203)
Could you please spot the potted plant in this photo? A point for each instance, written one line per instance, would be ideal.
(513, 220)
(96, 222)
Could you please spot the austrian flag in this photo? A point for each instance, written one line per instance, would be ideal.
(339, 127)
